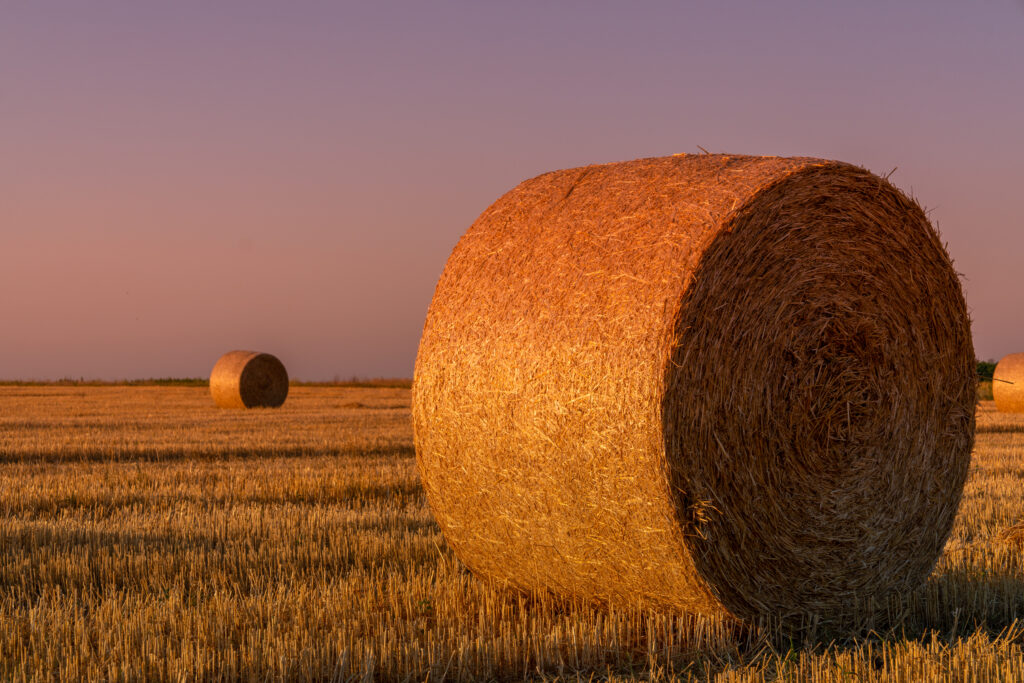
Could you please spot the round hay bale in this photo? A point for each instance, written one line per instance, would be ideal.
(248, 379)
(719, 384)
(1008, 384)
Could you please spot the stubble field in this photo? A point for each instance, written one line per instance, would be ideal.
(145, 534)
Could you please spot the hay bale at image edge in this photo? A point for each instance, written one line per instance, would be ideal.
(1008, 384)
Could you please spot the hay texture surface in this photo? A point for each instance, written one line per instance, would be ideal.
(1008, 384)
(248, 379)
(705, 383)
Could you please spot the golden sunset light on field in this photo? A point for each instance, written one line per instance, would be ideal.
(575, 341)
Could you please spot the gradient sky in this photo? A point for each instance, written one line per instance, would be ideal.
(179, 179)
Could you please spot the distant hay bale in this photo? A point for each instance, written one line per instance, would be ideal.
(1008, 384)
(248, 379)
(719, 384)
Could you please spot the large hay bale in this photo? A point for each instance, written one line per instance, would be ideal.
(248, 379)
(711, 383)
(1008, 384)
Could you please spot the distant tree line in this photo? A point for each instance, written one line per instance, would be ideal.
(985, 370)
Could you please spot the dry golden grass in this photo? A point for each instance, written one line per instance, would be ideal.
(146, 534)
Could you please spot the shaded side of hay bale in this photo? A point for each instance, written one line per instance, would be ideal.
(711, 383)
(248, 379)
(1008, 384)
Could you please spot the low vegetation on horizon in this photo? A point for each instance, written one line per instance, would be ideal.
(352, 382)
(148, 535)
(985, 370)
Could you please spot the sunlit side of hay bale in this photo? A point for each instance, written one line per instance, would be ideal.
(248, 379)
(1008, 384)
(710, 383)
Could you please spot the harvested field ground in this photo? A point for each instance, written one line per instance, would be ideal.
(145, 533)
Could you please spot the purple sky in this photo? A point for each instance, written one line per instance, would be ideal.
(183, 178)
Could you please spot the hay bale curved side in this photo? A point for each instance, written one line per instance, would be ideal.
(1008, 384)
(714, 383)
(248, 379)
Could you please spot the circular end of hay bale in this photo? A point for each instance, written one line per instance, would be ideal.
(820, 399)
(717, 384)
(1008, 384)
(248, 379)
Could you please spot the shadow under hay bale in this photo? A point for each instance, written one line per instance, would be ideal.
(248, 379)
(718, 384)
(1008, 384)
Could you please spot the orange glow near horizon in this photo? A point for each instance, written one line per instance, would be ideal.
(184, 180)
